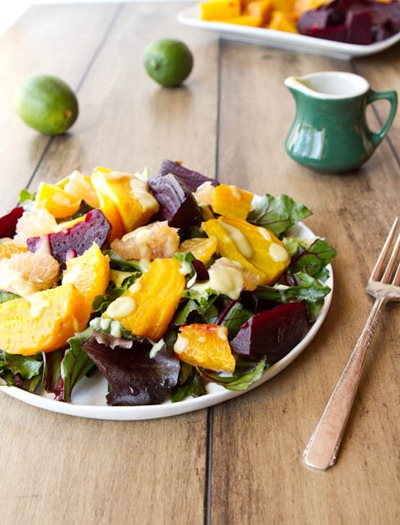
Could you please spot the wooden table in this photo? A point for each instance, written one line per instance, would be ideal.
(239, 462)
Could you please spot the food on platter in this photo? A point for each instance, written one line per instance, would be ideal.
(362, 22)
(162, 284)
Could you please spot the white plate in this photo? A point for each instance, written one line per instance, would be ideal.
(89, 396)
(284, 40)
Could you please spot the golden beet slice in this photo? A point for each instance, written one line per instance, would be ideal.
(42, 321)
(147, 307)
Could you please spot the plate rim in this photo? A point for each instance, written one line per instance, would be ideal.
(297, 42)
(145, 412)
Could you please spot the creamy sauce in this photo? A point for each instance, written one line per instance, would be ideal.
(223, 279)
(265, 233)
(37, 305)
(156, 348)
(242, 244)
(121, 307)
(181, 344)
(140, 191)
(12, 280)
(278, 253)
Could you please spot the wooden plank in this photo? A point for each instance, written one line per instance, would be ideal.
(258, 462)
(87, 471)
(54, 40)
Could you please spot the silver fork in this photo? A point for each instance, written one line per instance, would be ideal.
(384, 284)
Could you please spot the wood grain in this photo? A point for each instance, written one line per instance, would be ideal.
(239, 462)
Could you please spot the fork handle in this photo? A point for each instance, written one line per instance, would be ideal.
(323, 447)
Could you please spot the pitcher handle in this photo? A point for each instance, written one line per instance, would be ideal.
(391, 96)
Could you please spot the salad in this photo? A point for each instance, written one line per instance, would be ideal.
(161, 284)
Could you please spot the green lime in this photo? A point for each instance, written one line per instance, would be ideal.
(46, 104)
(168, 62)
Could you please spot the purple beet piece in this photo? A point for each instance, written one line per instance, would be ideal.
(272, 333)
(177, 204)
(133, 376)
(192, 179)
(8, 222)
(359, 27)
(75, 240)
(201, 270)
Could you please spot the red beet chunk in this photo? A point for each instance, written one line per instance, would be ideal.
(359, 27)
(76, 240)
(192, 179)
(272, 333)
(177, 204)
(8, 223)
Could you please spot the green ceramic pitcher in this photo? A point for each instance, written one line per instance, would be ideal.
(330, 131)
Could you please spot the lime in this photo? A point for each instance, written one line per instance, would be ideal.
(46, 104)
(168, 61)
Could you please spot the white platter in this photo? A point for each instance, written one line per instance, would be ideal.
(284, 40)
(89, 396)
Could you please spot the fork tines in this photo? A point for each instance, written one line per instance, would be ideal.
(385, 276)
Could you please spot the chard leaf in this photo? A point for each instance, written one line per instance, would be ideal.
(20, 371)
(305, 288)
(7, 296)
(313, 259)
(118, 263)
(244, 376)
(26, 366)
(233, 316)
(75, 364)
(278, 214)
(190, 383)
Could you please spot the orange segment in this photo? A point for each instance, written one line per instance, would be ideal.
(205, 345)
(232, 201)
(89, 273)
(147, 307)
(43, 321)
(202, 248)
(130, 195)
(56, 200)
(9, 247)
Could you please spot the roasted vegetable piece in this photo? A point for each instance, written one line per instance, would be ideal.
(192, 179)
(43, 321)
(89, 272)
(218, 10)
(147, 307)
(206, 346)
(130, 195)
(255, 248)
(8, 222)
(133, 376)
(177, 204)
(231, 201)
(75, 240)
(272, 333)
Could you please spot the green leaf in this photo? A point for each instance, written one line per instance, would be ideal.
(244, 376)
(234, 319)
(313, 259)
(7, 296)
(307, 288)
(26, 366)
(25, 196)
(190, 383)
(278, 214)
(75, 364)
